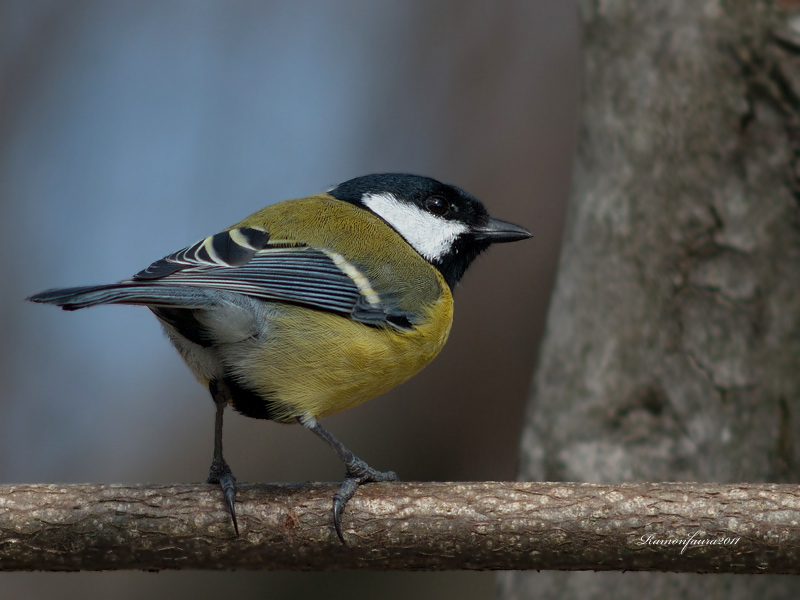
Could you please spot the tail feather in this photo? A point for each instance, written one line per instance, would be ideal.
(125, 293)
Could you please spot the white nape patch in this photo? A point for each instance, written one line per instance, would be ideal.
(428, 234)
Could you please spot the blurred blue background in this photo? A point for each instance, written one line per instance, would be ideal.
(130, 129)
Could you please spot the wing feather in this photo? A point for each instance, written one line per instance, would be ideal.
(242, 260)
(227, 249)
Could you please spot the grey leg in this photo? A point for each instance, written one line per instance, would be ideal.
(358, 472)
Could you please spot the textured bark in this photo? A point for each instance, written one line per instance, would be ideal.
(672, 348)
(434, 526)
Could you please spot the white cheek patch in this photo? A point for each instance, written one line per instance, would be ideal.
(428, 234)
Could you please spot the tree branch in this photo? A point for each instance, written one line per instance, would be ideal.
(739, 528)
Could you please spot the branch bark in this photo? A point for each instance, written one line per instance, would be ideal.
(682, 527)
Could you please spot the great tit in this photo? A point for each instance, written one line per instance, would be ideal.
(312, 306)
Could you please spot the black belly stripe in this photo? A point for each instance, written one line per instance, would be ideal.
(248, 402)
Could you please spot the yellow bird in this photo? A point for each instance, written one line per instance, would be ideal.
(313, 306)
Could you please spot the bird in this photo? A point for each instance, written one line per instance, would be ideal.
(315, 305)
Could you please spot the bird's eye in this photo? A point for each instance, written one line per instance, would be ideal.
(436, 205)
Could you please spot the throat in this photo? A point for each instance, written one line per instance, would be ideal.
(454, 263)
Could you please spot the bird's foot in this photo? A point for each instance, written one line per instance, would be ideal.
(358, 472)
(220, 473)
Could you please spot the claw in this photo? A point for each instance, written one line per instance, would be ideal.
(338, 509)
(228, 485)
(340, 500)
(221, 474)
(358, 472)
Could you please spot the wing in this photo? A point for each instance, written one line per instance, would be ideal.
(246, 261)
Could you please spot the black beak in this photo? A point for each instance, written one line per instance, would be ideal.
(497, 231)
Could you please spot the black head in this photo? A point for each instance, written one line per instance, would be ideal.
(443, 223)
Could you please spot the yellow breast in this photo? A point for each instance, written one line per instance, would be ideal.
(314, 367)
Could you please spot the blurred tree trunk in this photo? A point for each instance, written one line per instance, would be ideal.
(672, 349)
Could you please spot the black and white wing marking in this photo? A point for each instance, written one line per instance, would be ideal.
(243, 261)
(226, 249)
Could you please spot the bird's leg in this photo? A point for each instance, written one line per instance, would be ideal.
(358, 472)
(220, 472)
